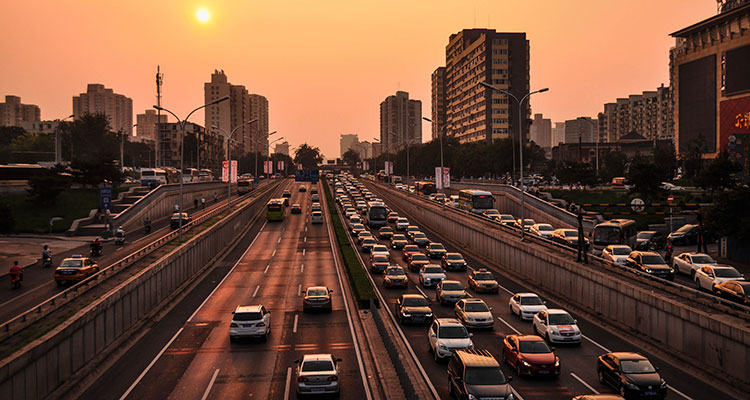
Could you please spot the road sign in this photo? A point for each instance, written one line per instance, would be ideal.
(307, 175)
(670, 198)
(105, 197)
(637, 205)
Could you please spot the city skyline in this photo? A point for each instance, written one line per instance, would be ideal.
(304, 83)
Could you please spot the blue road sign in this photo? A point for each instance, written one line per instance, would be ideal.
(307, 175)
(105, 197)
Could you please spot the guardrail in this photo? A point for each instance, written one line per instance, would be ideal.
(55, 302)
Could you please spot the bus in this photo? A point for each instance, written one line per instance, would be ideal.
(172, 174)
(206, 175)
(377, 214)
(424, 188)
(19, 174)
(191, 175)
(153, 177)
(275, 210)
(614, 231)
(243, 186)
(476, 201)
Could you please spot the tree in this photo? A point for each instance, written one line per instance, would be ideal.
(641, 175)
(576, 172)
(6, 219)
(729, 217)
(692, 160)
(718, 175)
(92, 148)
(613, 165)
(351, 158)
(308, 156)
(666, 162)
(47, 186)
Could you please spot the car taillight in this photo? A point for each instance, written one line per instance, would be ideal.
(333, 378)
(301, 379)
(233, 325)
(260, 324)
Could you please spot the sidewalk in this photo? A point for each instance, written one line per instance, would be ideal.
(27, 249)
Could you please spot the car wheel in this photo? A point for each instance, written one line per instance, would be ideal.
(692, 273)
(546, 337)
(622, 390)
(435, 354)
(697, 285)
(600, 374)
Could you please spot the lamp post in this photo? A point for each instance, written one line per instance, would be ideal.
(591, 121)
(407, 141)
(122, 147)
(520, 140)
(441, 132)
(58, 150)
(374, 167)
(229, 157)
(270, 164)
(257, 144)
(182, 151)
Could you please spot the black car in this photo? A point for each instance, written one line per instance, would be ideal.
(686, 235)
(385, 233)
(650, 240)
(286, 193)
(453, 261)
(651, 263)
(174, 222)
(398, 241)
(420, 239)
(413, 308)
(302, 189)
(632, 375)
(296, 209)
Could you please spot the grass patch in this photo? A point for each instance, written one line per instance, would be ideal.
(361, 285)
(32, 217)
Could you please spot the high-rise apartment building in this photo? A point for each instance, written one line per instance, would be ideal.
(438, 101)
(558, 133)
(484, 55)
(583, 130)
(541, 131)
(208, 154)
(400, 122)
(98, 99)
(649, 114)
(146, 129)
(281, 148)
(13, 112)
(259, 130)
(347, 142)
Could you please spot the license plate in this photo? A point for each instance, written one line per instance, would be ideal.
(543, 372)
(650, 393)
(247, 326)
(318, 390)
(317, 305)
(420, 318)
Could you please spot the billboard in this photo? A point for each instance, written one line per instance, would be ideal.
(442, 180)
(388, 167)
(267, 167)
(737, 65)
(224, 171)
(279, 165)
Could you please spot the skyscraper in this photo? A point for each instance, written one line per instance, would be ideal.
(541, 131)
(98, 99)
(438, 101)
(146, 129)
(259, 130)
(403, 117)
(347, 142)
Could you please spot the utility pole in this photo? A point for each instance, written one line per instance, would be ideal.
(157, 135)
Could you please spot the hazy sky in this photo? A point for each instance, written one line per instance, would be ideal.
(325, 66)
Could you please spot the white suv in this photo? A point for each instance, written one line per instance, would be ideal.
(447, 335)
(250, 321)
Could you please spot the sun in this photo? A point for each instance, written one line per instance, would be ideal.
(203, 15)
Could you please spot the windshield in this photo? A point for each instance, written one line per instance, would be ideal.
(492, 211)
(606, 235)
(453, 332)
(317, 292)
(620, 251)
(394, 271)
(561, 319)
(484, 277)
(745, 288)
(570, 233)
(398, 237)
(453, 257)
(72, 263)
(410, 247)
(529, 222)
(703, 259)
(531, 301)
(533, 347)
(380, 259)
(419, 257)
(420, 236)
(652, 259)
(637, 367)
(545, 228)
(386, 230)
(247, 316)
(415, 302)
(484, 376)
(317, 366)
(483, 202)
(368, 240)
(433, 270)
(645, 235)
(377, 213)
(685, 228)
(726, 273)
(452, 286)
(507, 218)
(435, 246)
(402, 220)
(476, 306)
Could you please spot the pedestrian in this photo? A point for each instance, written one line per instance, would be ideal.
(176, 207)
(203, 203)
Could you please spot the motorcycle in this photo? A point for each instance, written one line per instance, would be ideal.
(15, 281)
(119, 238)
(46, 261)
(96, 250)
(147, 228)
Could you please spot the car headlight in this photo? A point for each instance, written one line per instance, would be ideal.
(630, 385)
(405, 315)
(649, 270)
(472, 397)
(557, 363)
(555, 331)
(525, 363)
(671, 270)
(510, 397)
(471, 345)
(663, 384)
(428, 315)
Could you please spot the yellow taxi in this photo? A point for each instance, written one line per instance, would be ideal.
(482, 280)
(75, 269)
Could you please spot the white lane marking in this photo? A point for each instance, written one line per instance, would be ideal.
(302, 268)
(145, 371)
(680, 393)
(305, 229)
(151, 364)
(273, 254)
(305, 239)
(299, 289)
(303, 252)
(504, 288)
(288, 382)
(255, 293)
(42, 286)
(296, 319)
(576, 377)
(420, 290)
(265, 271)
(596, 344)
(210, 385)
(509, 325)
(279, 241)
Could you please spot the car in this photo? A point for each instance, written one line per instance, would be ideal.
(75, 269)
(420, 239)
(416, 261)
(449, 292)
(567, 237)
(316, 217)
(250, 321)
(556, 326)
(453, 261)
(482, 280)
(446, 335)
(530, 355)
(476, 374)
(362, 235)
(394, 276)
(474, 313)
(407, 250)
(355, 219)
(315, 206)
(314, 190)
(491, 213)
(302, 189)
(685, 236)
(708, 276)
(317, 374)
(411, 230)
(349, 211)
(688, 263)
(286, 193)
(413, 308)
(542, 230)
(671, 187)
(398, 241)
(506, 219)
(617, 253)
(379, 263)
(381, 249)
(174, 221)
(367, 243)
(527, 223)
(401, 223)
(315, 197)
(385, 233)
(631, 374)
(296, 209)
(598, 397)
(651, 263)
(526, 305)
(357, 228)
(430, 275)
(650, 240)
(392, 217)
(317, 298)
(436, 250)
(735, 290)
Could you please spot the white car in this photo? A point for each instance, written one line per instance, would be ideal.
(380, 249)
(474, 313)
(355, 219)
(616, 253)
(431, 275)
(250, 321)
(708, 276)
(316, 217)
(688, 263)
(317, 374)
(542, 230)
(447, 335)
(449, 292)
(671, 187)
(349, 212)
(315, 207)
(526, 305)
(557, 326)
(401, 223)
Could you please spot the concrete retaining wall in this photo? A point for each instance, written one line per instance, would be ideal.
(39, 368)
(707, 339)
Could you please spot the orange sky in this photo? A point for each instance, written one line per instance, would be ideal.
(325, 66)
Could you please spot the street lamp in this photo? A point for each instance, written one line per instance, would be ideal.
(270, 164)
(257, 144)
(597, 141)
(58, 150)
(441, 132)
(182, 151)
(520, 139)
(408, 142)
(374, 167)
(122, 146)
(229, 157)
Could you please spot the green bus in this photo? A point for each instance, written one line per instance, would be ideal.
(275, 210)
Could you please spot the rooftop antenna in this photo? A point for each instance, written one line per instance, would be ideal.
(157, 135)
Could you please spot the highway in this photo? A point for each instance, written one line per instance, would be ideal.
(188, 354)
(578, 363)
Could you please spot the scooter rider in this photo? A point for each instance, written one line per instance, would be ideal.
(147, 224)
(96, 246)
(46, 256)
(119, 236)
(16, 271)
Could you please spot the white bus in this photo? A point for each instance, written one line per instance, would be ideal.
(377, 214)
(206, 175)
(475, 201)
(153, 177)
(614, 231)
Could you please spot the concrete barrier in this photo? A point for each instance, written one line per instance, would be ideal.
(704, 337)
(36, 371)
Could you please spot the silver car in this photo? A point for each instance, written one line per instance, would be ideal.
(317, 374)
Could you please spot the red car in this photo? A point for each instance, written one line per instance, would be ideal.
(378, 263)
(530, 355)
(408, 250)
(417, 261)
